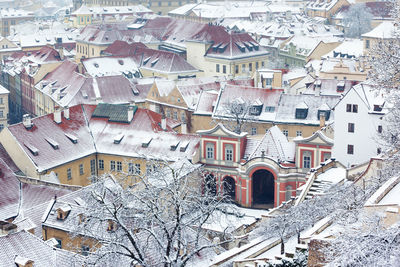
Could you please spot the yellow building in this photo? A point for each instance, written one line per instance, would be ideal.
(86, 140)
(325, 9)
(7, 48)
(382, 32)
(11, 16)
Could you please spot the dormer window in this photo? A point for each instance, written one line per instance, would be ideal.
(340, 86)
(377, 108)
(326, 113)
(63, 212)
(301, 111)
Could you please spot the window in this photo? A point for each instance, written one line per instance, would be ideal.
(326, 156)
(169, 3)
(80, 169)
(350, 127)
(269, 109)
(1, 100)
(92, 51)
(69, 174)
(243, 68)
(262, 64)
(268, 81)
(253, 131)
(236, 69)
(1, 126)
(378, 150)
(119, 166)
(352, 108)
(112, 165)
(299, 133)
(217, 68)
(250, 66)
(175, 115)
(92, 167)
(1, 114)
(137, 168)
(256, 65)
(159, 3)
(183, 117)
(101, 164)
(350, 149)
(306, 159)
(366, 43)
(301, 113)
(209, 150)
(131, 168)
(168, 113)
(379, 128)
(285, 132)
(224, 68)
(85, 250)
(229, 152)
(59, 243)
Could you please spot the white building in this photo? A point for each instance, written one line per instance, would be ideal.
(358, 122)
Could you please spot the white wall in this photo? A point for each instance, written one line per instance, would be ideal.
(365, 138)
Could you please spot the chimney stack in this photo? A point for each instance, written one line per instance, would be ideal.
(184, 128)
(66, 113)
(130, 113)
(322, 119)
(57, 115)
(27, 121)
(163, 123)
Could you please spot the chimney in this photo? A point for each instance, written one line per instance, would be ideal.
(184, 128)
(7, 228)
(57, 115)
(317, 86)
(27, 121)
(130, 113)
(163, 123)
(66, 113)
(23, 262)
(322, 119)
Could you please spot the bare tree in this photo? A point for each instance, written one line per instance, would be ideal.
(235, 114)
(366, 244)
(158, 222)
(357, 20)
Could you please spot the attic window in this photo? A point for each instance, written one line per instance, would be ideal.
(377, 108)
(318, 83)
(154, 62)
(215, 47)
(184, 146)
(222, 48)
(121, 62)
(269, 109)
(72, 138)
(301, 113)
(32, 149)
(241, 47)
(146, 142)
(63, 212)
(326, 113)
(53, 143)
(174, 146)
(96, 65)
(118, 138)
(146, 60)
(340, 86)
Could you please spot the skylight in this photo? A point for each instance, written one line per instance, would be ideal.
(32, 149)
(146, 142)
(184, 146)
(72, 138)
(53, 143)
(118, 138)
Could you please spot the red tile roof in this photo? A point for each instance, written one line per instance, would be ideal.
(122, 48)
(97, 135)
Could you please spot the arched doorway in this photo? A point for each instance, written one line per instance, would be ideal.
(210, 184)
(263, 188)
(229, 188)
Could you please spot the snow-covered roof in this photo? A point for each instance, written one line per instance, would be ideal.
(385, 30)
(111, 10)
(348, 48)
(108, 66)
(96, 134)
(274, 145)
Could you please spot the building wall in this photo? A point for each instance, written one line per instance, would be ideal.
(322, 49)
(4, 109)
(17, 154)
(365, 131)
(88, 50)
(169, 76)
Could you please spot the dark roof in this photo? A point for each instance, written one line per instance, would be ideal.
(122, 48)
(115, 113)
